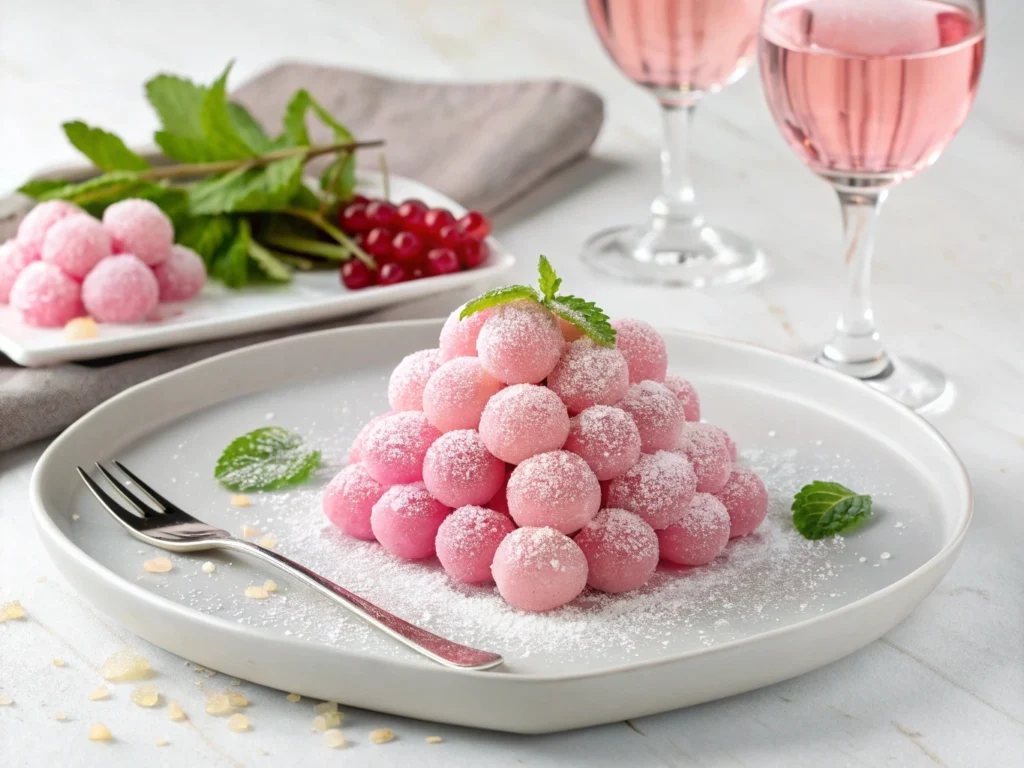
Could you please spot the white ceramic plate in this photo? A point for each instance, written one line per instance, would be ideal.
(773, 606)
(220, 312)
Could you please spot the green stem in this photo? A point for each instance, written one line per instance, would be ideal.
(321, 223)
(306, 245)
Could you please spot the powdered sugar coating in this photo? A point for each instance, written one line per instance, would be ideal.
(520, 343)
(746, 500)
(349, 498)
(555, 489)
(539, 569)
(589, 374)
(355, 453)
(408, 380)
(458, 337)
(120, 289)
(657, 413)
(643, 348)
(659, 488)
(37, 222)
(405, 521)
(45, 296)
(687, 395)
(13, 259)
(139, 227)
(181, 276)
(705, 446)
(456, 393)
(458, 470)
(606, 438)
(76, 244)
(621, 550)
(467, 540)
(523, 420)
(394, 449)
(699, 536)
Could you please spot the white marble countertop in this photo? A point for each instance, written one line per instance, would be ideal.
(944, 688)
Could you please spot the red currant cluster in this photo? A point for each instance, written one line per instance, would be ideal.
(410, 241)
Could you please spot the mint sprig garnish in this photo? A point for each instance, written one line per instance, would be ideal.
(266, 459)
(823, 509)
(583, 314)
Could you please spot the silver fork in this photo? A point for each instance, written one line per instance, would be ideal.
(164, 525)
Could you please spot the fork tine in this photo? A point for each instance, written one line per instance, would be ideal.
(140, 506)
(155, 497)
(122, 515)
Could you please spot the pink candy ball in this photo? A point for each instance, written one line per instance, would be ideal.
(704, 445)
(606, 438)
(37, 222)
(355, 453)
(658, 415)
(522, 421)
(349, 498)
(569, 331)
(458, 470)
(520, 343)
(746, 500)
(699, 536)
(139, 227)
(458, 337)
(45, 296)
(659, 488)
(405, 388)
(621, 550)
(456, 394)
(589, 374)
(499, 501)
(556, 490)
(120, 289)
(467, 540)
(539, 569)
(687, 395)
(181, 276)
(394, 449)
(643, 348)
(13, 259)
(405, 521)
(76, 244)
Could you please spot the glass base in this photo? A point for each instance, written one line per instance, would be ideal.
(916, 384)
(687, 256)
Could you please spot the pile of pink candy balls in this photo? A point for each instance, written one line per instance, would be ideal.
(566, 463)
(64, 264)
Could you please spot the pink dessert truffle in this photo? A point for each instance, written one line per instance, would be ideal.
(522, 421)
(569, 331)
(456, 393)
(499, 501)
(458, 470)
(589, 374)
(45, 296)
(76, 244)
(520, 343)
(657, 413)
(349, 498)
(606, 438)
(139, 227)
(394, 449)
(458, 337)
(355, 453)
(556, 490)
(37, 222)
(659, 488)
(13, 259)
(687, 395)
(699, 536)
(704, 445)
(408, 380)
(643, 348)
(539, 569)
(467, 540)
(405, 521)
(181, 276)
(120, 289)
(746, 500)
(621, 550)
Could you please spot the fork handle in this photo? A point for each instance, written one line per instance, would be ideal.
(440, 649)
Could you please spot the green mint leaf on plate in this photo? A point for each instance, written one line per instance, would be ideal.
(207, 235)
(231, 264)
(270, 266)
(249, 129)
(37, 188)
(266, 459)
(251, 190)
(503, 295)
(824, 509)
(586, 316)
(296, 132)
(219, 131)
(549, 282)
(107, 151)
(177, 102)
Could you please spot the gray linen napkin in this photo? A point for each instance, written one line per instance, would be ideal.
(482, 144)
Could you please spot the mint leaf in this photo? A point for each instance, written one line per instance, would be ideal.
(824, 509)
(247, 127)
(269, 265)
(38, 187)
(339, 178)
(107, 151)
(207, 235)
(586, 316)
(549, 281)
(177, 102)
(95, 194)
(266, 459)
(502, 295)
(295, 120)
(269, 188)
(219, 130)
(231, 264)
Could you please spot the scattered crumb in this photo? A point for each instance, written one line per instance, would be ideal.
(434, 739)
(325, 706)
(237, 699)
(236, 681)
(293, 698)
(382, 736)
(40, 579)
(146, 696)
(158, 565)
(125, 666)
(241, 500)
(200, 668)
(261, 752)
(268, 542)
(256, 592)
(334, 738)
(248, 531)
(81, 329)
(238, 723)
(100, 693)
(75, 516)
(319, 724)
(863, 559)
(59, 662)
(11, 611)
(885, 555)
(208, 567)
(100, 732)
(270, 585)
(61, 716)
(160, 741)
(175, 712)
(218, 704)
(5, 700)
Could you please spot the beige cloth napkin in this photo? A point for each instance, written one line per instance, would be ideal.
(482, 144)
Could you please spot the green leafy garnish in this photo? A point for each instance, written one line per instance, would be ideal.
(824, 509)
(266, 459)
(585, 315)
(106, 150)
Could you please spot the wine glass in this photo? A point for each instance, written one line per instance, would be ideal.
(868, 93)
(680, 50)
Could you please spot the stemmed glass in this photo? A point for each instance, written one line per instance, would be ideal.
(680, 50)
(868, 93)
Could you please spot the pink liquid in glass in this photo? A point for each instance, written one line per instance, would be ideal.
(872, 87)
(692, 46)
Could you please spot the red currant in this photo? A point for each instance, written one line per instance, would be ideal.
(356, 275)
(473, 253)
(442, 261)
(360, 199)
(417, 273)
(450, 236)
(391, 273)
(381, 213)
(410, 216)
(475, 225)
(437, 219)
(353, 219)
(406, 246)
(378, 242)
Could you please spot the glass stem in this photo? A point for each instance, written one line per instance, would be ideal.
(676, 205)
(855, 347)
